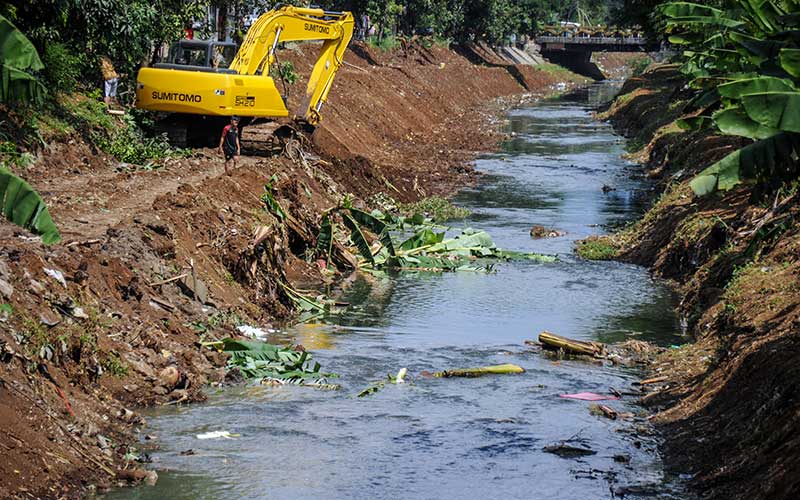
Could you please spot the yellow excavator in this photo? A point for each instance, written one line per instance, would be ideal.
(198, 90)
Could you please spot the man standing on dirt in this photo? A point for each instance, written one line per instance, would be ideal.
(229, 145)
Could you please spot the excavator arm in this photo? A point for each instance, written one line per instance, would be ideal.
(245, 88)
(290, 24)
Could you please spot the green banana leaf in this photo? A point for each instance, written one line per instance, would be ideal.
(774, 156)
(19, 86)
(763, 49)
(710, 21)
(688, 9)
(734, 121)
(325, 237)
(18, 57)
(261, 360)
(23, 206)
(737, 88)
(703, 100)
(422, 238)
(790, 61)
(778, 110)
(380, 228)
(763, 13)
(17, 51)
(358, 239)
(694, 122)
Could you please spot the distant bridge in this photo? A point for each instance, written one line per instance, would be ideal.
(595, 44)
(575, 52)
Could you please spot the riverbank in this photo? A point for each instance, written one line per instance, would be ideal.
(157, 259)
(729, 401)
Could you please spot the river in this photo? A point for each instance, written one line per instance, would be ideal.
(458, 438)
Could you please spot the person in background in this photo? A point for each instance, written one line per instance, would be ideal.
(229, 145)
(110, 78)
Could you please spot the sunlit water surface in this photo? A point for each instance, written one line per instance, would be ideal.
(458, 438)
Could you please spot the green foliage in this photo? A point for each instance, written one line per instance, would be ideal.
(10, 155)
(743, 61)
(469, 20)
(385, 44)
(19, 60)
(639, 65)
(63, 68)
(287, 73)
(113, 364)
(259, 360)
(425, 250)
(23, 206)
(124, 30)
(437, 208)
(130, 145)
(358, 238)
(596, 249)
(269, 200)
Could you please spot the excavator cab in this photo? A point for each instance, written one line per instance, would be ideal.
(201, 84)
(200, 55)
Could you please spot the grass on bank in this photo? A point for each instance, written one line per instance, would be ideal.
(63, 116)
(596, 248)
(436, 208)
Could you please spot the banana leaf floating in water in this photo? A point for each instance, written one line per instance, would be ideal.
(425, 250)
(284, 365)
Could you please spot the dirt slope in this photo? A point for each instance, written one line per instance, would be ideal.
(100, 325)
(730, 406)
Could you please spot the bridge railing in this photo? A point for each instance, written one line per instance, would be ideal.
(593, 40)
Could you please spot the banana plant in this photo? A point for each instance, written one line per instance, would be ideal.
(748, 77)
(22, 205)
(19, 61)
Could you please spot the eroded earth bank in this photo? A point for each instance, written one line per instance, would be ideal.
(728, 403)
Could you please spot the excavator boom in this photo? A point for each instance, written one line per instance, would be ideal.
(245, 88)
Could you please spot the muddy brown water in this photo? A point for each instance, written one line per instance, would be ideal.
(458, 438)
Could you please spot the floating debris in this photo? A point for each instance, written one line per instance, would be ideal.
(217, 435)
(285, 365)
(505, 369)
(400, 378)
(566, 450)
(587, 396)
(543, 232)
(570, 346)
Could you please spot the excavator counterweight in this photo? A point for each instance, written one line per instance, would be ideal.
(205, 87)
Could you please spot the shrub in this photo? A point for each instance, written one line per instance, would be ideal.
(63, 69)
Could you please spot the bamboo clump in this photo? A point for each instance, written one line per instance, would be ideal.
(570, 346)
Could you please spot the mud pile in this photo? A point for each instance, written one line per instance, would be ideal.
(156, 261)
(730, 404)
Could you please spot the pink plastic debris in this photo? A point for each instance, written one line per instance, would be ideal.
(587, 396)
